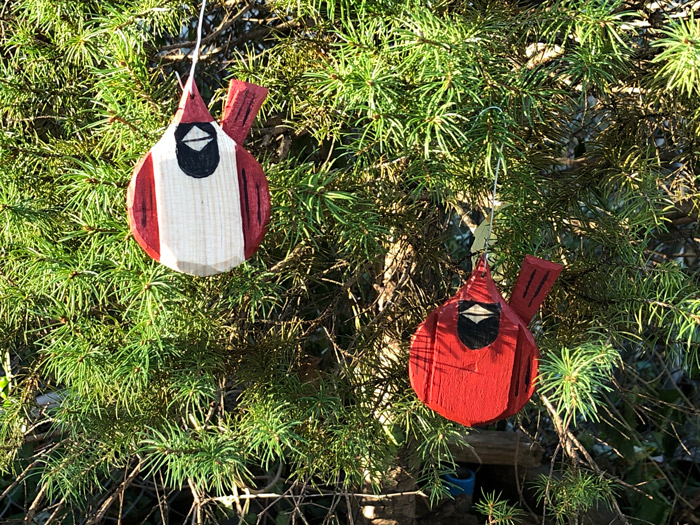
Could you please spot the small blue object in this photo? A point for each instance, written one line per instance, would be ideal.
(463, 485)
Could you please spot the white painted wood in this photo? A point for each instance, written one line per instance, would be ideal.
(200, 223)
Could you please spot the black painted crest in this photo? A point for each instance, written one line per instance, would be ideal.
(196, 148)
(478, 323)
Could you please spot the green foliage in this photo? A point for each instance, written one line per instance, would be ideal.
(212, 458)
(4, 386)
(572, 378)
(575, 492)
(498, 511)
(680, 57)
(380, 157)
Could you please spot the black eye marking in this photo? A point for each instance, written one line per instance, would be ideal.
(478, 323)
(197, 149)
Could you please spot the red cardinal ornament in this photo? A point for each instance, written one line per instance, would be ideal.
(473, 360)
(198, 202)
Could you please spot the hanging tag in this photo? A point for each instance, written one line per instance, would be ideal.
(480, 235)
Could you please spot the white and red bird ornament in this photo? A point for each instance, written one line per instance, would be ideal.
(198, 202)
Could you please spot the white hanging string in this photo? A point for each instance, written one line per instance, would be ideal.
(493, 202)
(179, 81)
(195, 58)
(495, 186)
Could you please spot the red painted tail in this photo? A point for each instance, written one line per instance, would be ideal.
(536, 279)
(242, 105)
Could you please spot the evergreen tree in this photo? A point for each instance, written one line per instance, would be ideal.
(289, 373)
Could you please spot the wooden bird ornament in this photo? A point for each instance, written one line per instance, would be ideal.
(198, 202)
(473, 359)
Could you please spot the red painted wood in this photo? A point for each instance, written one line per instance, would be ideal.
(142, 209)
(141, 197)
(420, 364)
(468, 386)
(524, 372)
(481, 385)
(191, 107)
(242, 105)
(255, 200)
(534, 281)
(198, 202)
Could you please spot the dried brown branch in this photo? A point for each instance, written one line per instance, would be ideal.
(196, 504)
(31, 512)
(571, 445)
(116, 493)
(254, 35)
(26, 471)
(54, 514)
(227, 22)
(321, 494)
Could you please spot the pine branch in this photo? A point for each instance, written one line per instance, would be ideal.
(117, 492)
(571, 445)
(214, 35)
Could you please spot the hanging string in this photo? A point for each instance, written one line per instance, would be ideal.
(493, 202)
(195, 58)
(179, 81)
(495, 187)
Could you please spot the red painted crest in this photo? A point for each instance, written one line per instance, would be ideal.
(473, 359)
(198, 202)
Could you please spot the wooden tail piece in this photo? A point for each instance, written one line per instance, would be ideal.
(242, 105)
(536, 279)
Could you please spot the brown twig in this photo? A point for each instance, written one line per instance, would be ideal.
(160, 500)
(320, 494)
(29, 517)
(25, 473)
(196, 504)
(228, 22)
(54, 514)
(571, 444)
(116, 493)
(255, 34)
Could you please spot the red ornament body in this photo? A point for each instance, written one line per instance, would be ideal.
(473, 359)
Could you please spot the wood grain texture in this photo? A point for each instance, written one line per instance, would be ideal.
(470, 386)
(525, 368)
(242, 104)
(142, 208)
(534, 282)
(255, 200)
(191, 107)
(492, 447)
(198, 202)
(199, 219)
(473, 359)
